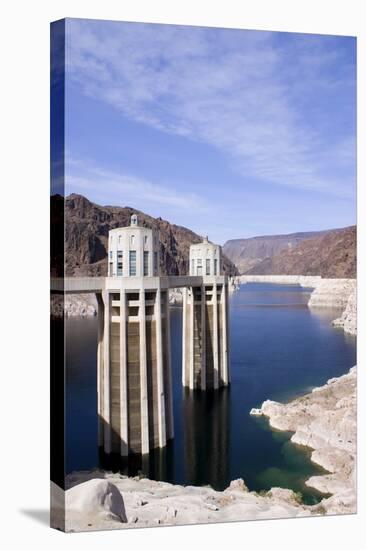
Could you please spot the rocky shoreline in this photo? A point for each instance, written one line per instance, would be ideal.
(307, 281)
(324, 420)
(75, 305)
(348, 319)
(103, 500)
(332, 293)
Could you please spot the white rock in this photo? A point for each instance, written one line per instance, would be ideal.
(96, 497)
(332, 293)
(348, 319)
(324, 420)
(256, 412)
(237, 485)
(74, 305)
(212, 507)
(306, 281)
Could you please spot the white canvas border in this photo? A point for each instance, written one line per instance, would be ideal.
(25, 186)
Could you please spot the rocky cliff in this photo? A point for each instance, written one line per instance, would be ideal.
(332, 255)
(324, 420)
(332, 293)
(74, 305)
(86, 238)
(247, 253)
(348, 319)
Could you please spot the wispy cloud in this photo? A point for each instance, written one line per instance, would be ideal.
(257, 100)
(104, 185)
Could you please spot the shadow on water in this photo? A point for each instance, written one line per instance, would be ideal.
(276, 353)
(205, 443)
(206, 437)
(156, 465)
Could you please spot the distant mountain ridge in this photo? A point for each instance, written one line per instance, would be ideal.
(247, 253)
(332, 255)
(86, 237)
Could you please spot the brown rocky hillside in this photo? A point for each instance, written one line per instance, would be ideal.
(330, 255)
(247, 253)
(86, 238)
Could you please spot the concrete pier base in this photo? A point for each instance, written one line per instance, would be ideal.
(205, 335)
(134, 381)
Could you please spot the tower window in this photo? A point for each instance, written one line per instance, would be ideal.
(111, 269)
(192, 267)
(199, 267)
(119, 263)
(215, 266)
(132, 263)
(208, 267)
(155, 263)
(146, 263)
(132, 239)
(111, 254)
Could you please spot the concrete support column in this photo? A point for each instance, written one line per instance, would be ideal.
(215, 339)
(106, 416)
(143, 376)
(191, 338)
(123, 375)
(169, 389)
(100, 368)
(185, 339)
(203, 337)
(228, 336)
(224, 346)
(160, 373)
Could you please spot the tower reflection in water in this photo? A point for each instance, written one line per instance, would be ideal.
(204, 443)
(206, 437)
(157, 465)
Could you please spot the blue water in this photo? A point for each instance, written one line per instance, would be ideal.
(279, 349)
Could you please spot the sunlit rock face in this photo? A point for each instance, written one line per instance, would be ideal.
(332, 293)
(74, 305)
(348, 319)
(94, 502)
(330, 255)
(325, 420)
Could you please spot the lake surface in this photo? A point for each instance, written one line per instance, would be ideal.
(279, 349)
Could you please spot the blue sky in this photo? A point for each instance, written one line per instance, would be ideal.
(231, 133)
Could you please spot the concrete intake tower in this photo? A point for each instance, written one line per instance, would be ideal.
(134, 374)
(205, 321)
(135, 408)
